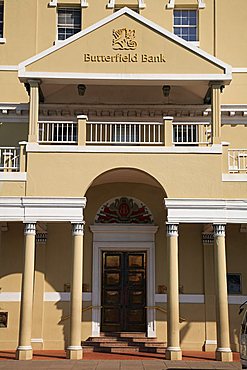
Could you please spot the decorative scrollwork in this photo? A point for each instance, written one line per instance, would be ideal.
(124, 39)
(124, 210)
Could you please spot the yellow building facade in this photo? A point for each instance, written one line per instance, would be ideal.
(123, 173)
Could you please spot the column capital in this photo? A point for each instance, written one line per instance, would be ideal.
(78, 228)
(207, 238)
(216, 84)
(30, 228)
(34, 83)
(171, 229)
(219, 230)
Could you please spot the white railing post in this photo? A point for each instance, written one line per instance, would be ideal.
(22, 160)
(168, 130)
(82, 129)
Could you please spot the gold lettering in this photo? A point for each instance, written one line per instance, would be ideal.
(134, 58)
(87, 58)
(144, 58)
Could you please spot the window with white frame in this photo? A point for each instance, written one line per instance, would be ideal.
(69, 21)
(1, 19)
(185, 24)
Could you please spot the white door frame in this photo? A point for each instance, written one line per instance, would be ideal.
(122, 237)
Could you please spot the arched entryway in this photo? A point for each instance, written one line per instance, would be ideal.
(124, 231)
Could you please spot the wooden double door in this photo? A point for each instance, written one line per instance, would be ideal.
(123, 294)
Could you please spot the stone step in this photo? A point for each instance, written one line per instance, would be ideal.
(143, 340)
(123, 343)
(120, 349)
(102, 339)
(154, 344)
(123, 334)
(114, 344)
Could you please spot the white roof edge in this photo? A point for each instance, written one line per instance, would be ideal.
(140, 18)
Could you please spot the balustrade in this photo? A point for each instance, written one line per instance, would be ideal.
(191, 133)
(9, 159)
(237, 160)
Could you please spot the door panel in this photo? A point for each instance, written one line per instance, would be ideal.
(123, 291)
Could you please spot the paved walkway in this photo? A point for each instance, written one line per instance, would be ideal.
(117, 365)
(105, 361)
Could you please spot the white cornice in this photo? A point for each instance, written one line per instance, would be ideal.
(171, 4)
(111, 4)
(234, 177)
(35, 148)
(13, 176)
(231, 113)
(187, 210)
(226, 76)
(239, 70)
(33, 209)
(8, 68)
(138, 78)
(53, 3)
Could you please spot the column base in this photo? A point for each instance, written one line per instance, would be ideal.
(223, 355)
(210, 345)
(173, 353)
(74, 354)
(24, 354)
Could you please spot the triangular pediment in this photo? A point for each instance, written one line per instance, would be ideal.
(125, 45)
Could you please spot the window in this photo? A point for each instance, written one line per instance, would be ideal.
(69, 22)
(1, 19)
(234, 283)
(186, 24)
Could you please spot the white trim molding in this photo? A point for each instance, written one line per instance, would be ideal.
(217, 211)
(64, 297)
(122, 237)
(171, 4)
(234, 177)
(239, 70)
(34, 147)
(53, 3)
(13, 176)
(8, 68)
(111, 4)
(32, 209)
(183, 298)
(37, 340)
(87, 297)
(2, 40)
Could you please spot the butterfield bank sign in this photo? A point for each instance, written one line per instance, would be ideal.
(124, 40)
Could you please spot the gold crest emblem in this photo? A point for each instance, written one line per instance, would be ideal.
(124, 39)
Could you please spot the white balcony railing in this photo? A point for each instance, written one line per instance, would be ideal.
(191, 133)
(125, 133)
(58, 132)
(9, 159)
(237, 160)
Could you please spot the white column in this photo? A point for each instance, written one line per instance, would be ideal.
(33, 110)
(223, 351)
(24, 349)
(74, 351)
(173, 351)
